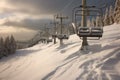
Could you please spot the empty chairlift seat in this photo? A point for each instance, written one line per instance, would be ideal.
(90, 32)
(63, 36)
(66, 37)
(49, 40)
(96, 31)
(54, 36)
(84, 32)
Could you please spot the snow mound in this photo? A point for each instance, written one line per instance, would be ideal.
(53, 62)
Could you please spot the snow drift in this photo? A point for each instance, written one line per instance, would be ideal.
(53, 62)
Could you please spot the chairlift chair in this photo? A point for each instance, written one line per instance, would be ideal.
(66, 37)
(84, 32)
(96, 31)
(49, 40)
(89, 31)
(63, 36)
(54, 36)
(60, 36)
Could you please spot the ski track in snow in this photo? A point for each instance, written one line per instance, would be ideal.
(100, 62)
(92, 68)
(14, 67)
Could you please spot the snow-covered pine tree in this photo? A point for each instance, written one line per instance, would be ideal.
(1, 47)
(6, 47)
(102, 20)
(93, 23)
(106, 18)
(117, 11)
(12, 45)
(88, 23)
(72, 31)
(111, 15)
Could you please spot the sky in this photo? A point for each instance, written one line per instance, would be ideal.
(33, 14)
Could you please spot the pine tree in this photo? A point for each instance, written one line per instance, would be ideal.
(111, 15)
(93, 23)
(102, 20)
(6, 46)
(1, 47)
(117, 11)
(88, 23)
(106, 18)
(12, 45)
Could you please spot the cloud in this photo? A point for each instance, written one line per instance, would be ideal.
(30, 14)
(18, 33)
(44, 7)
(27, 23)
(33, 13)
(34, 6)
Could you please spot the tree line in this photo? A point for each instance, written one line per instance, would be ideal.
(111, 15)
(117, 11)
(106, 19)
(7, 46)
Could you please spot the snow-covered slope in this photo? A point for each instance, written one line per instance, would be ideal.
(53, 62)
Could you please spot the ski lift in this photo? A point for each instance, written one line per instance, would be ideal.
(93, 31)
(64, 34)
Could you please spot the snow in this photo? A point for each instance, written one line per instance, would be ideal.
(53, 62)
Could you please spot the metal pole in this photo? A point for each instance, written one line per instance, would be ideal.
(55, 34)
(83, 24)
(61, 41)
(61, 25)
(61, 20)
(55, 23)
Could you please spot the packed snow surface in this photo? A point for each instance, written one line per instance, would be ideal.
(100, 61)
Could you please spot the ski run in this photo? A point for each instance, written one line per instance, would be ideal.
(100, 61)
